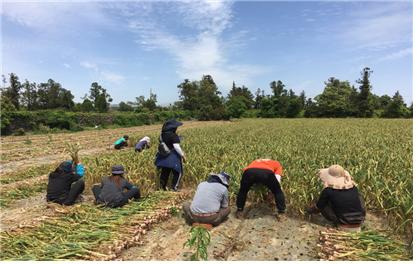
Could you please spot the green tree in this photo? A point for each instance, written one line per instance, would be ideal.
(143, 105)
(100, 98)
(311, 109)
(236, 106)
(125, 107)
(410, 110)
(87, 106)
(277, 88)
(335, 99)
(295, 105)
(189, 95)
(267, 107)
(396, 108)
(13, 91)
(29, 96)
(365, 107)
(202, 98)
(259, 95)
(243, 92)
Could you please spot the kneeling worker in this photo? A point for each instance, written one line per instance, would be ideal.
(142, 144)
(339, 201)
(210, 204)
(66, 183)
(121, 142)
(261, 171)
(115, 191)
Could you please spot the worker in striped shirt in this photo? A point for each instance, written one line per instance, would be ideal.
(261, 171)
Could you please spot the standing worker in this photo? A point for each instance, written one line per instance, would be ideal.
(121, 142)
(142, 144)
(210, 204)
(115, 191)
(261, 171)
(66, 183)
(339, 201)
(170, 155)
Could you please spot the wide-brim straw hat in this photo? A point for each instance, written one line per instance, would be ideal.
(336, 177)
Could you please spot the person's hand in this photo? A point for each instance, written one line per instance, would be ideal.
(312, 209)
(183, 159)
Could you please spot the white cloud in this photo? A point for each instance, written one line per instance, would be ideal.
(397, 55)
(89, 65)
(59, 17)
(207, 51)
(112, 77)
(105, 75)
(379, 28)
(66, 65)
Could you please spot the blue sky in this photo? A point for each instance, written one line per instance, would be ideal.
(132, 47)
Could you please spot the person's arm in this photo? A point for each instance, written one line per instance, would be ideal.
(178, 149)
(127, 184)
(225, 200)
(323, 199)
(79, 169)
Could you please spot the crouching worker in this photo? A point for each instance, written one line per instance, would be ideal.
(210, 204)
(121, 142)
(339, 201)
(115, 191)
(66, 183)
(142, 144)
(266, 172)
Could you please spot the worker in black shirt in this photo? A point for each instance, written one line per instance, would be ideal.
(170, 155)
(339, 201)
(65, 183)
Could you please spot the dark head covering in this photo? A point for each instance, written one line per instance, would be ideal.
(223, 178)
(65, 166)
(117, 169)
(171, 125)
(126, 137)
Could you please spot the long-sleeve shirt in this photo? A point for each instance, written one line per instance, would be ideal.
(59, 183)
(343, 202)
(209, 198)
(120, 140)
(111, 193)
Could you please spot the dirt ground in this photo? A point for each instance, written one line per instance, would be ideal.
(260, 236)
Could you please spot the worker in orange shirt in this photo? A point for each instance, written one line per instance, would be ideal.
(261, 171)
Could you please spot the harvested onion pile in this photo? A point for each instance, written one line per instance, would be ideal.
(365, 245)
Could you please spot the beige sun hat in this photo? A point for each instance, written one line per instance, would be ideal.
(336, 177)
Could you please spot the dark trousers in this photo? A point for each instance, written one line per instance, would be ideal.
(129, 194)
(121, 145)
(215, 219)
(348, 218)
(69, 199)
(163, 180)
(260, 176)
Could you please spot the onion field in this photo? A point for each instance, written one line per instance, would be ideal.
(376, 152)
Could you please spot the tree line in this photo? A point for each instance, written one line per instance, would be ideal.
(204, 101)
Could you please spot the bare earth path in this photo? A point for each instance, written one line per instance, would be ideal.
(258, 237)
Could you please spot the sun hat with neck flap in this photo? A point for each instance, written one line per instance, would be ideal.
(336, 177)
